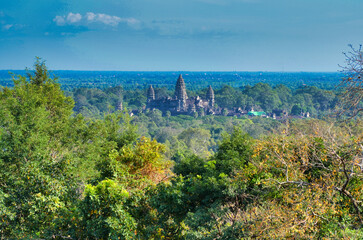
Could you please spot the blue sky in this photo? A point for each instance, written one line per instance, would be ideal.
(179, 35)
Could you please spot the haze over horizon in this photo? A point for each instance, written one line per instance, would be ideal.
(190, 35)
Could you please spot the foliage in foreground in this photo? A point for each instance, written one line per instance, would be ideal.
(64, 177)
(291, 185)
(47, 156)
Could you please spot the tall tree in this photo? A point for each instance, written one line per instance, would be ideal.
(36, 154)
(353, 81)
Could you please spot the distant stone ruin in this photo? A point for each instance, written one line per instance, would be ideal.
(180, 103)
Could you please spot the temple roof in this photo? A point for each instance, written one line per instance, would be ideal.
(180, 89)
(210, 93)
(151, 93)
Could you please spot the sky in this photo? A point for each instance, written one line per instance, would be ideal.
(179, 35)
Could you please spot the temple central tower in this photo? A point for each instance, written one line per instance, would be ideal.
(150, 94)
(181, 94)
(210, 96)
(180, 90)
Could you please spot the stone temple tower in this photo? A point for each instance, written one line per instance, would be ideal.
(180, 90)
(150, 94)
(181, 93)
(210, 96)
(119, 106)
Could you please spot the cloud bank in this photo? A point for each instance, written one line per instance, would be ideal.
(90, 17)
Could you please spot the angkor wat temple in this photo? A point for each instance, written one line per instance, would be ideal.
(180, 103)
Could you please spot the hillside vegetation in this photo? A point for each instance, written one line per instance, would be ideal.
(112, 176)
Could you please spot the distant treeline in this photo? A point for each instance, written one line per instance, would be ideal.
(93, 102)
(194, 80)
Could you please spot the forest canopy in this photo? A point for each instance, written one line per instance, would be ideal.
(64, 175)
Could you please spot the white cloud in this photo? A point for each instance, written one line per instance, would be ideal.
(74, 17)
(8, 26)
(108, 19)
(103, 18)
(59, 20)
(131, 21)
(90, 17)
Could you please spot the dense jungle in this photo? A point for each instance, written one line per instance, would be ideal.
(74, 166)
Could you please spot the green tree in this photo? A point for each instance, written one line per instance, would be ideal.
(37, 155)
(264, 96)
(284, 93)
(197, 140)
(204, 200)
(104, 213)
(352, 82)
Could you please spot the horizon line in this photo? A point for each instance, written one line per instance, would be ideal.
(179, 71)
